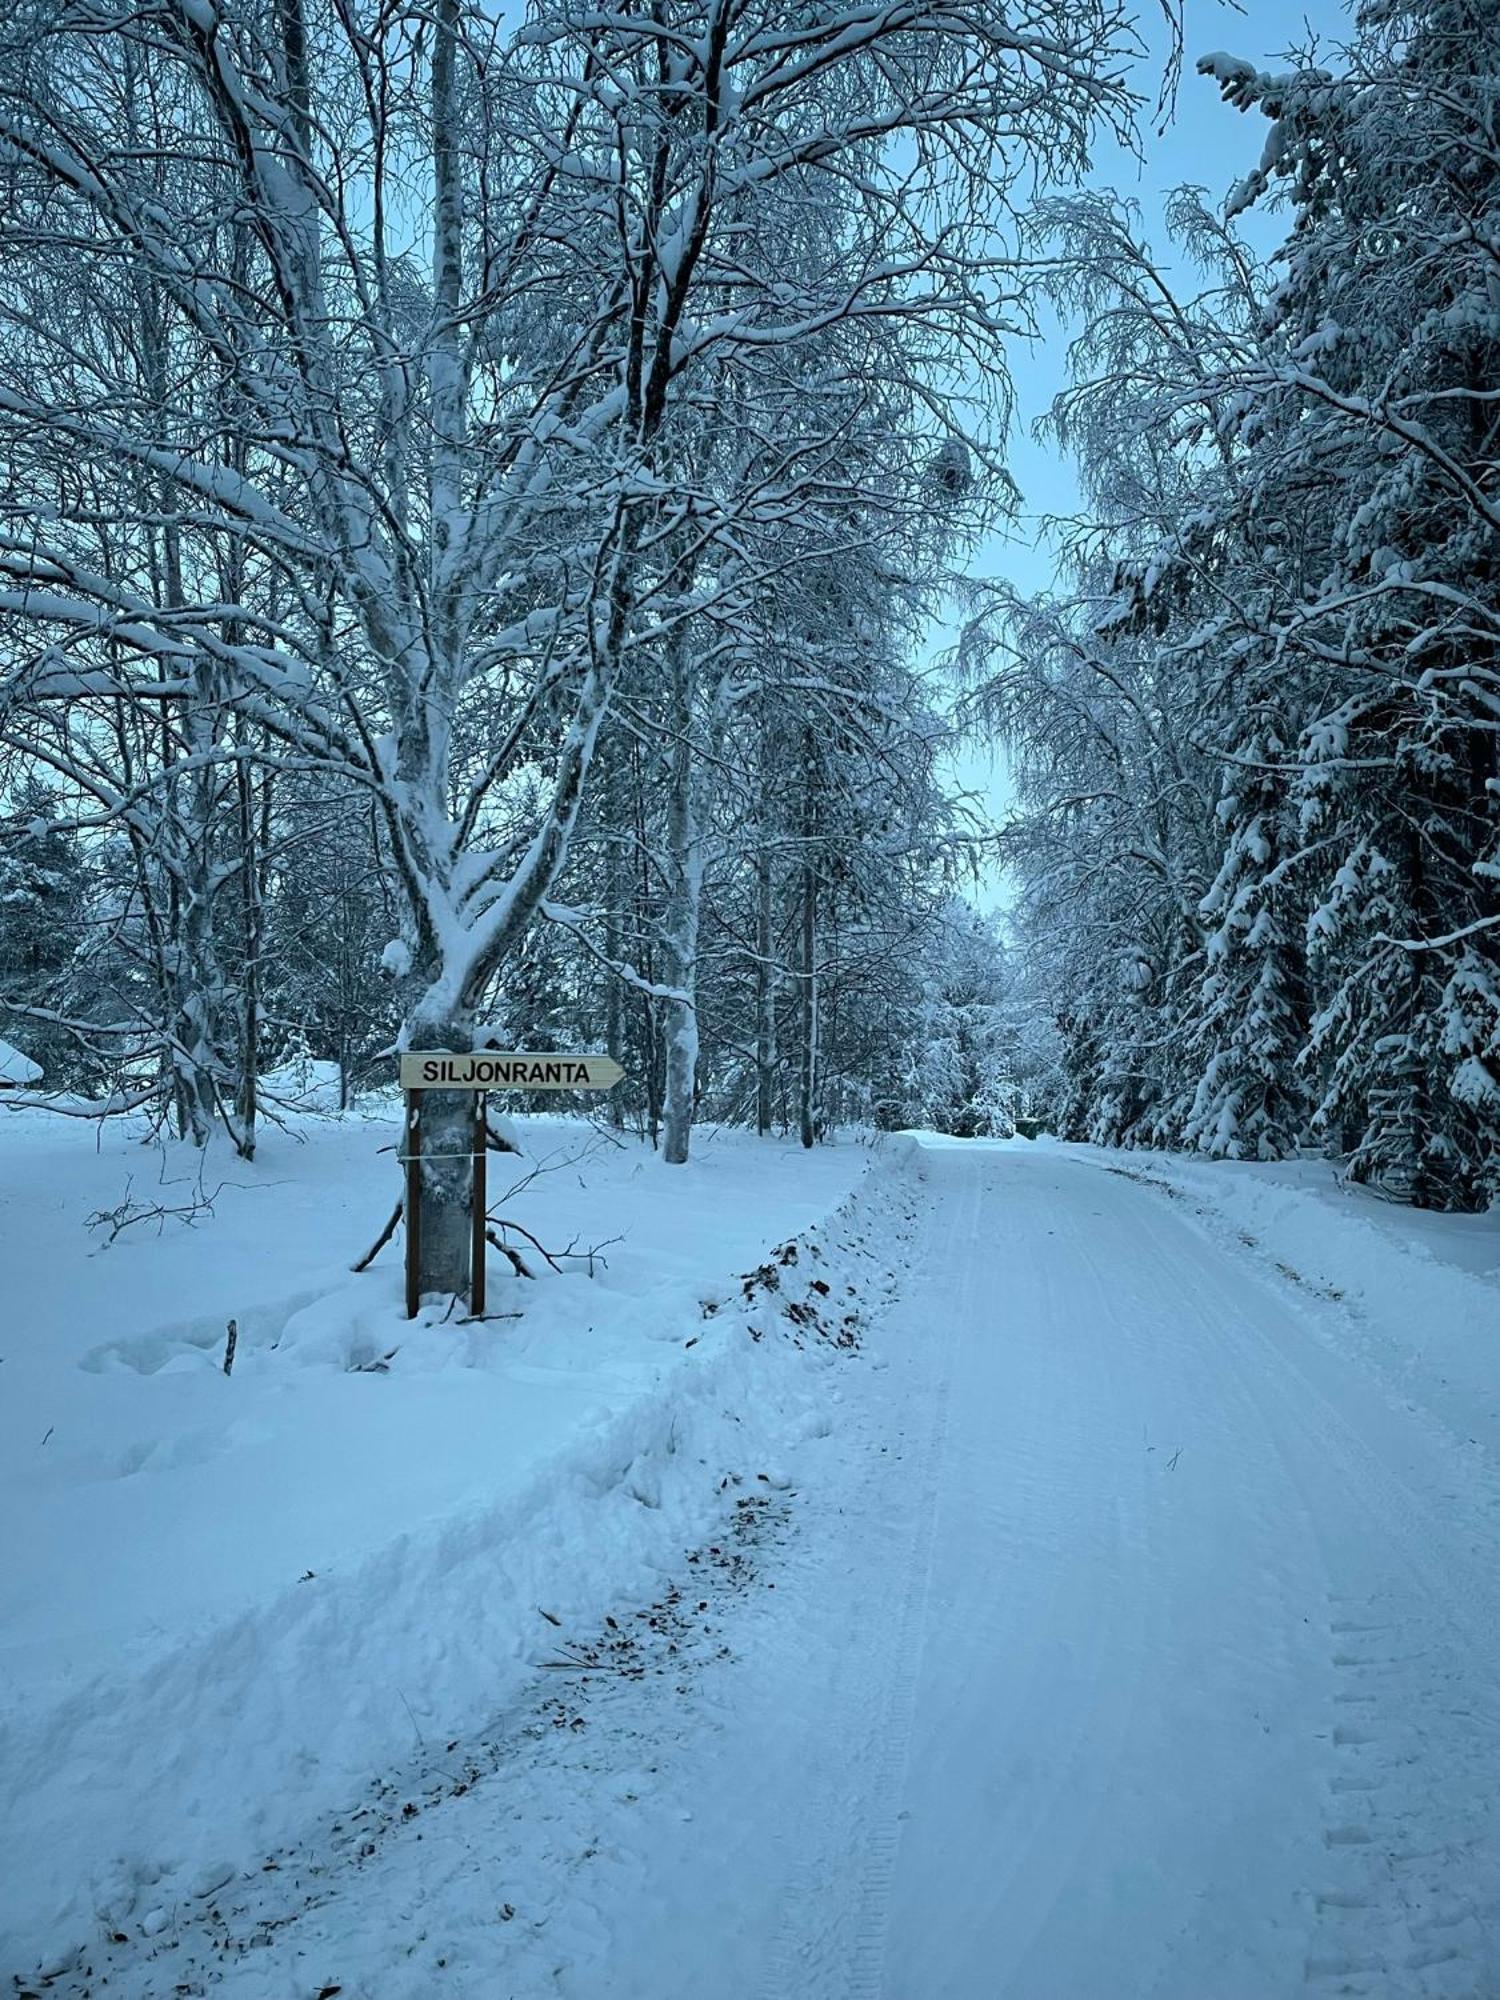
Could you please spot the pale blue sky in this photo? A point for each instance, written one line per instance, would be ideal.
(1208, 144)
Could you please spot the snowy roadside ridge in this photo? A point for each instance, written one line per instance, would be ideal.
(574, 1699)
(800, 1292)
(141, 1792)
(1426, 1329)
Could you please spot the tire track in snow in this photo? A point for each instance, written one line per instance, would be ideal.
(1410, 1902)
(1411, 1803)
(1088, 1627)
(1153, 1319)
(1395, 1915)
(867, 1968)
(831, 1940)
(1002, 1479)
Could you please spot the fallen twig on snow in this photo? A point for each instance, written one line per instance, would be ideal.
(381, 1240)
(128, 1211)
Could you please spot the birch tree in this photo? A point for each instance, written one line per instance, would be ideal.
(452, 281)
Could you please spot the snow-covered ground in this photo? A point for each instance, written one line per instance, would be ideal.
(1417, 1292)
(1121, 1619)
(225, 1601)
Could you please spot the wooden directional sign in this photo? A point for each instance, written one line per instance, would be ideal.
(442, 1069)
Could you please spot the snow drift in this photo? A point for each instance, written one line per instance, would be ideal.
(598, 1433)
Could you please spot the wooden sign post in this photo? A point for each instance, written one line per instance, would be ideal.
(480, 1072)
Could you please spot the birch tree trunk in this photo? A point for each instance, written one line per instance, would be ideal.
(614, 819)
(807, 1078)
(247, 1096)
(446, 1173)
(684, 896)
(197, 986)
(765, 995)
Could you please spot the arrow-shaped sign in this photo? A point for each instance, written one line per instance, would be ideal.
(443, 1069)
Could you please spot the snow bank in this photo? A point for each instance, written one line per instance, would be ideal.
(347, 1548)
(1415, 1297)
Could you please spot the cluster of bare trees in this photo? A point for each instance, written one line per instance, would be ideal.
(465, 472)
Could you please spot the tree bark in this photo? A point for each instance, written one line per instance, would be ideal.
(613, 818)
(446, 1181)
(807, 1079)
(680, 932)
(250, 916)
(765, 996)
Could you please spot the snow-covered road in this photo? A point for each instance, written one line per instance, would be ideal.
(1124, 1639)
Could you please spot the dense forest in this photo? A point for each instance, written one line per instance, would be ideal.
(477, 500)
(473, 493)
(1255, 731)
